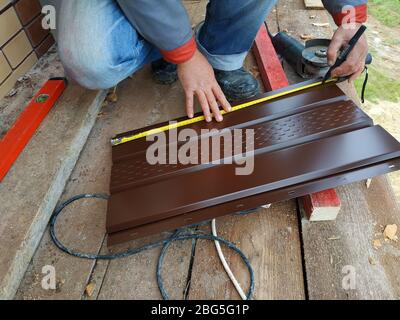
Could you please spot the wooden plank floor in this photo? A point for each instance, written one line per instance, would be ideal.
(292, 258)
(85, 221)
(32, 187)
(334, 250)
(344, 247)
(271, 237)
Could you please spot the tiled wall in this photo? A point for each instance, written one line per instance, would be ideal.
(22, 40)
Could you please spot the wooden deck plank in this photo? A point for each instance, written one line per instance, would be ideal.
(347, 242)
(364, 214)
(118, 283)
(296, 21)
(270, 239)
(196, 10)
(141, 102)
(135, 277)
(334, 250)
(313, 4)
(32, 187)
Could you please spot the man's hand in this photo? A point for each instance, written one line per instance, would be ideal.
(355, 63)
(198, 79)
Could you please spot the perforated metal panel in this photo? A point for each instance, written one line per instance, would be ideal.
(336, 117)
(314, 140)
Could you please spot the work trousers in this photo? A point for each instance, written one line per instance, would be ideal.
(99, 47)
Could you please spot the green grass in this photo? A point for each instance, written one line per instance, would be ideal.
(386, 11)
(380, 86)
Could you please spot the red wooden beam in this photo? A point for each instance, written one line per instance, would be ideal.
(320, 206)
(27, 123)
(269, 66)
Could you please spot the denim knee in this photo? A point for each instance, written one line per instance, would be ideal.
(97, 44)
(84, 65)
(102, 64)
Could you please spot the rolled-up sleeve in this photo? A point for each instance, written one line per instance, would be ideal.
(339, 14)
(165, 24)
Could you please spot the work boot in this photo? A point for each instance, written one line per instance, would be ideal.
(164, 72)
(237, 84)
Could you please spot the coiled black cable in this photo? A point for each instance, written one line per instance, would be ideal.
(166, 243)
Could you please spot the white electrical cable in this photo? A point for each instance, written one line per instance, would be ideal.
(225, 264)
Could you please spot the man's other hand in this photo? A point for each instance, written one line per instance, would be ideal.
(198, 79)
(355, 63)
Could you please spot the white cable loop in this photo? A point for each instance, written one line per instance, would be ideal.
(225, 264)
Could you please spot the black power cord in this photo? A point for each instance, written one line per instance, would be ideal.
(165, 244)
(364, 86)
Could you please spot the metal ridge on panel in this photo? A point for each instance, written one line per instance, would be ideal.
(255, 201)
(304, 142)
(270, 136)
(272, 170)
(271, 110)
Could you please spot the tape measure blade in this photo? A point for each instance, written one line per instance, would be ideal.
(297, 88)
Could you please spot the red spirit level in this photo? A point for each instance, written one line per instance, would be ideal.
(15, 140)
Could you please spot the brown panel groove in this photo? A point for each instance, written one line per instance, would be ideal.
(273, 110)
(300, 140)
(273, 170)
(270, 136)
(251, 202)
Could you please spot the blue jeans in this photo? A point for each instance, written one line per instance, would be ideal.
(99, 47)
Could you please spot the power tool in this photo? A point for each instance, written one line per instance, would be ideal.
(309, 60)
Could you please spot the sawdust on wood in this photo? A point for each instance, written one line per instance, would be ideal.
(306, 36)
(390, 232)
(90, 289)
(377, 244)
(322, 25)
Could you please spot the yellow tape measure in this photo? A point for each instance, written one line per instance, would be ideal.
(122, 140)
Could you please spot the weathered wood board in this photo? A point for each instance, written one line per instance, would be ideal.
(82, 226)
(340, 259)
(300, 23)
(313, 4)
(35, 182)
(348, 242)
(270, 239)
(273, 239)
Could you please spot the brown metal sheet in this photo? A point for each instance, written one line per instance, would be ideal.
(253, 202)
(304, 143)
